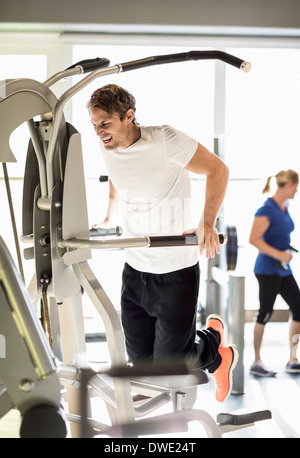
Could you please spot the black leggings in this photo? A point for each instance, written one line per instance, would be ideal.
(269, 287)
(159, 317)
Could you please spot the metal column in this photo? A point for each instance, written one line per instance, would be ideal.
(233, 286)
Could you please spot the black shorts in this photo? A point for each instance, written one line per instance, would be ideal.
(159, 312)
(272, 285)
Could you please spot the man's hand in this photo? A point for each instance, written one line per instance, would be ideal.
(103, 225)
(208, 240)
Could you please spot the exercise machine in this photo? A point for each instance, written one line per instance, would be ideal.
(28, 369)
(61, 246)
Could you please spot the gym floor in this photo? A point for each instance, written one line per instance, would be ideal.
(280, 395)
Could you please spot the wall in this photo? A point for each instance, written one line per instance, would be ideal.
(95, 15)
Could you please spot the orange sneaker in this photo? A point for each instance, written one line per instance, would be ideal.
(216, 322)
(223, 375)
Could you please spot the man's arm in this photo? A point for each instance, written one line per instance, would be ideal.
(217, 174)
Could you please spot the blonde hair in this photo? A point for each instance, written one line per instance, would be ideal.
(282, 178)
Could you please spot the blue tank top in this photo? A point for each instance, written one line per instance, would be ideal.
(277, 235)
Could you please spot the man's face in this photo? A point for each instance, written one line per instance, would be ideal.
(113, 132)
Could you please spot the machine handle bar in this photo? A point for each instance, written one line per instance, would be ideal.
(89, 65)
(185, 56)
(146, 241)
(179, 240)
(158, 240)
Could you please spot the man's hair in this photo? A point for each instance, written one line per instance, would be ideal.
(113, 99)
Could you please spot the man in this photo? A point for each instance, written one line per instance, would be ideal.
(149, 170)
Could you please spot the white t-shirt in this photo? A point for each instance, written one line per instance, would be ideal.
(155, 192)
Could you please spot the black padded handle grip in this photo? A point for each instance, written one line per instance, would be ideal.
(89, 65)
(185, 56)
(180, 240)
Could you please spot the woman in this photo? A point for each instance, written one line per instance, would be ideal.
(270, 234)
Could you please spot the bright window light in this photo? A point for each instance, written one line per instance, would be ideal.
(262, 138)
(21, 66)
(178, 94)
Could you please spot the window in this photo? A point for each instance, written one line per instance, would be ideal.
(262, 118)
(21, 66)
(179, 94)
(260, 113)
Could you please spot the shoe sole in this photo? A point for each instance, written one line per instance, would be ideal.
(234, 362)
(215, 317)
(220, 319)
(269, 374)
